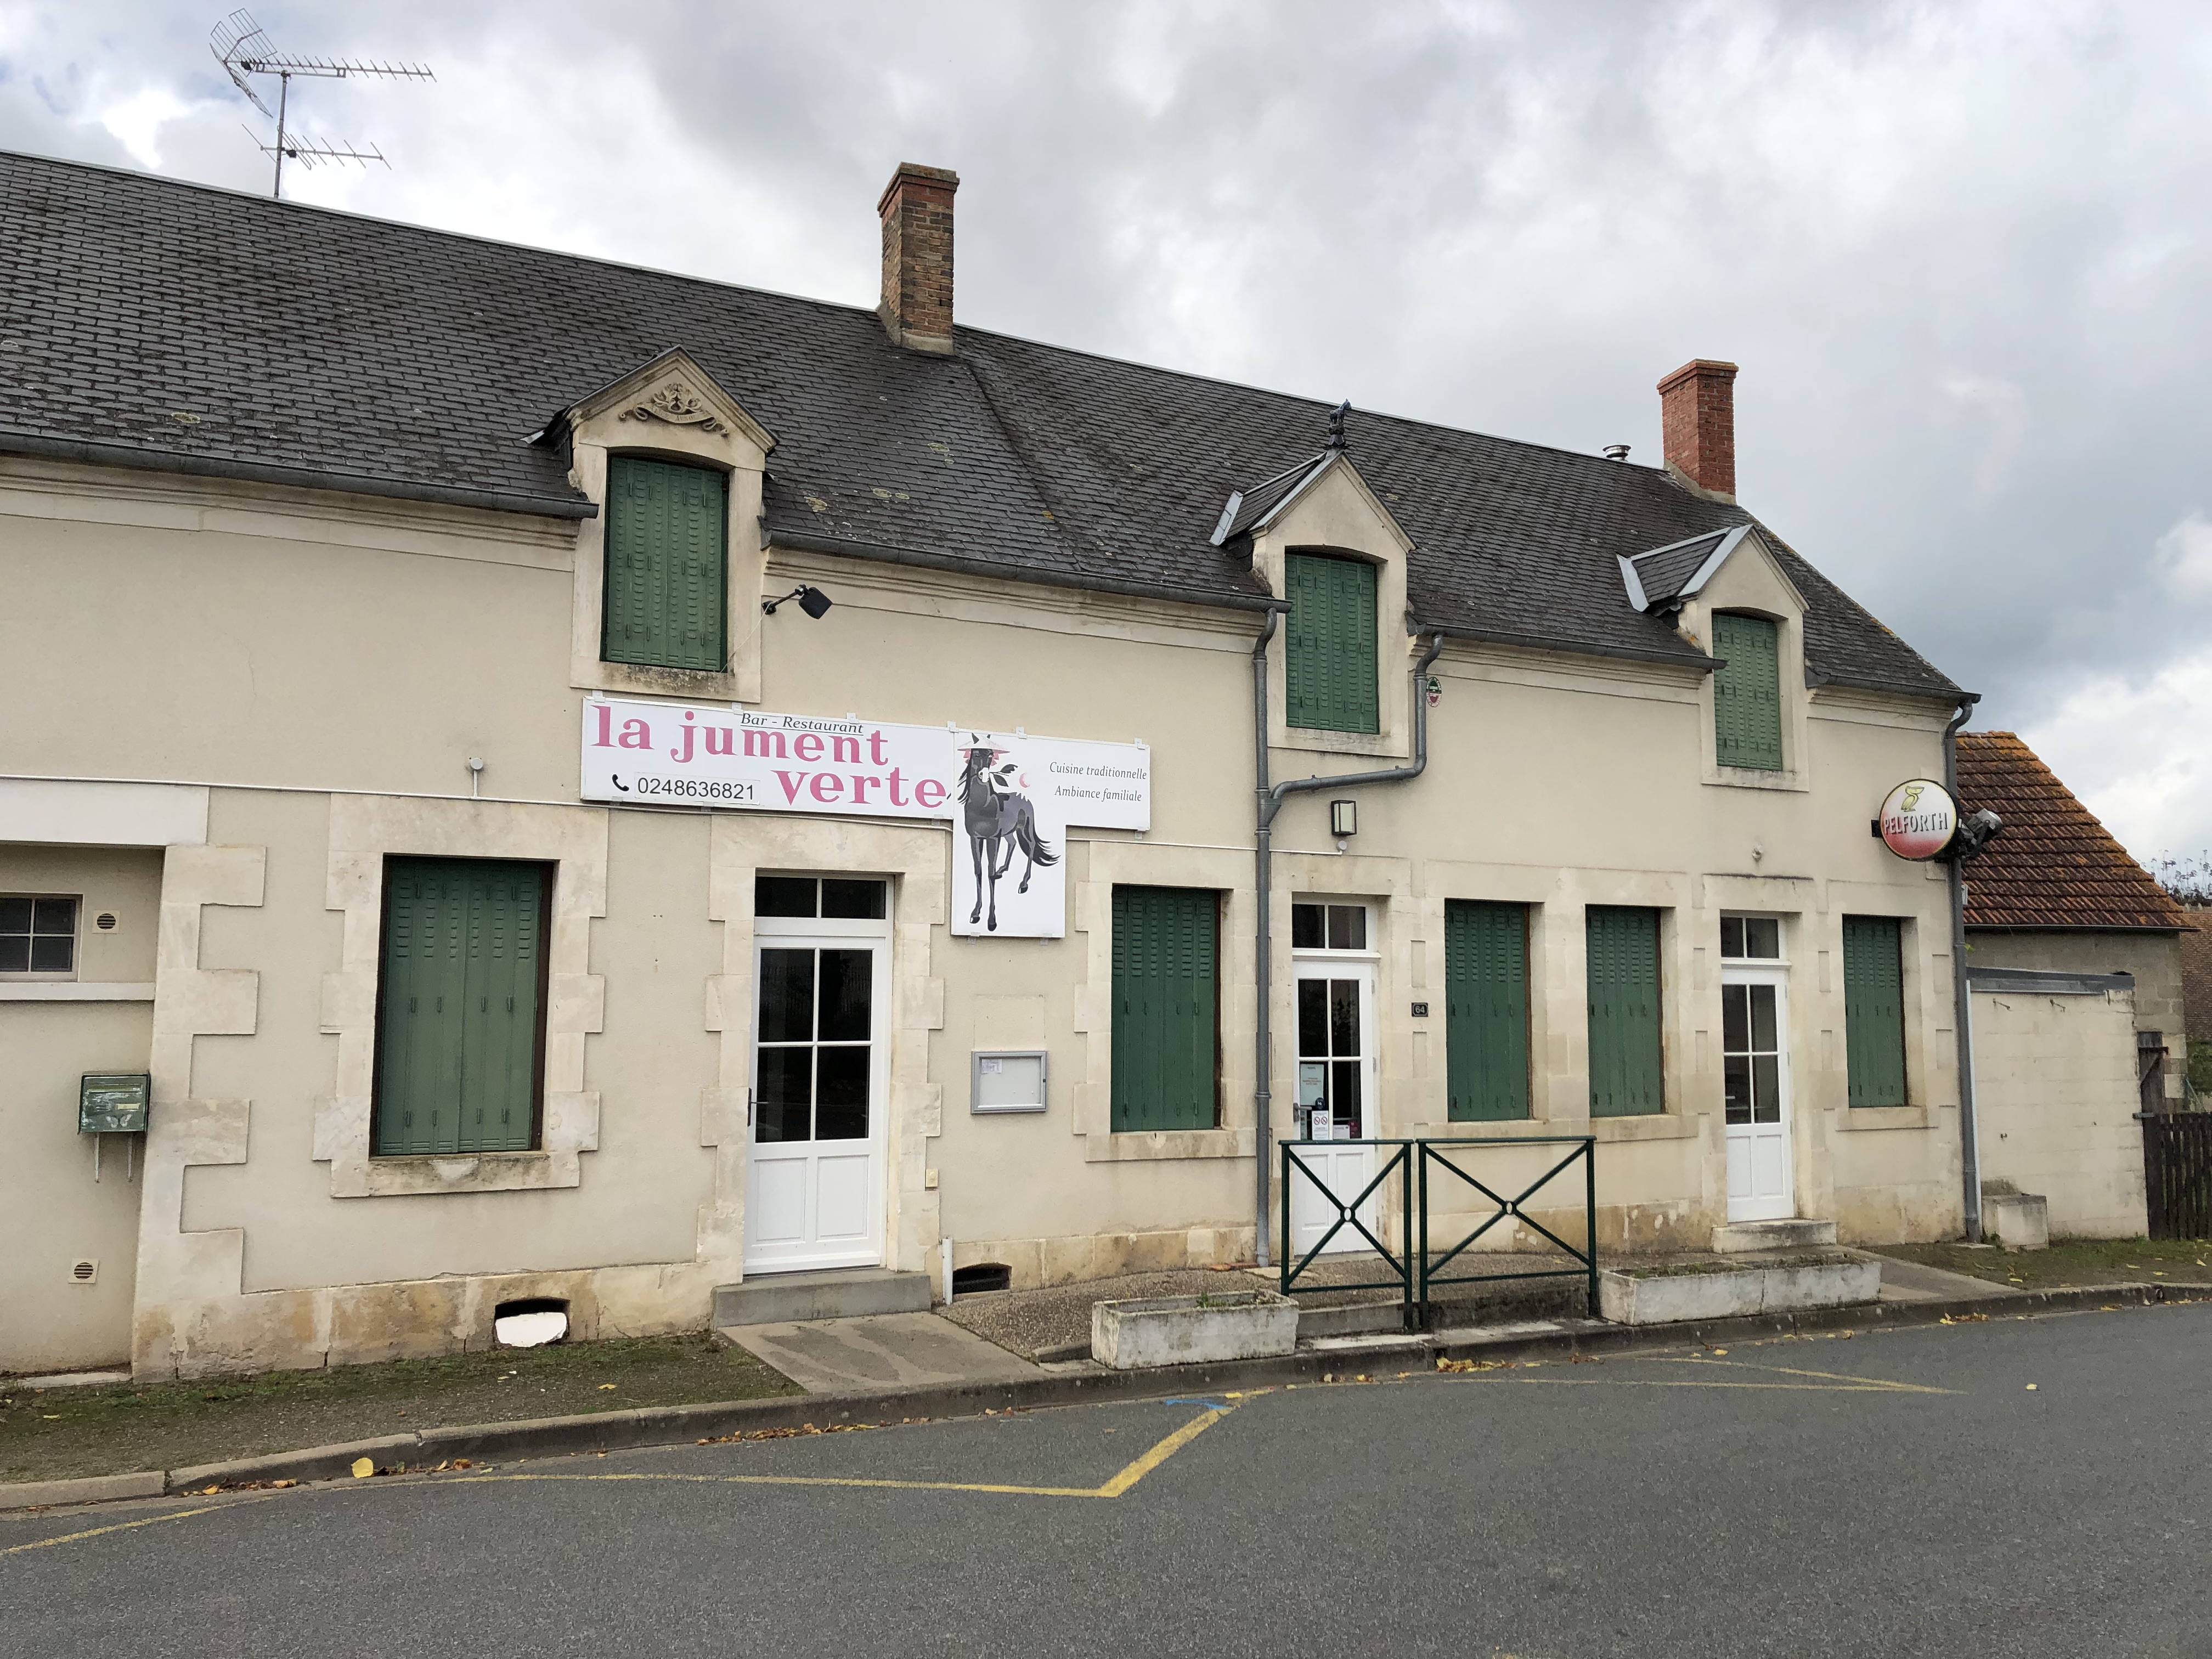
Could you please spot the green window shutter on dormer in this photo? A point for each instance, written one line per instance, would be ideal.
(1747, 692)
(668, 565)
(1330, 678)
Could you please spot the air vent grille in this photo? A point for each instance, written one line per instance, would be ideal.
(85, 1270)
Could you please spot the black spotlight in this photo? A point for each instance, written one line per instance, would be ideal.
(813, 600)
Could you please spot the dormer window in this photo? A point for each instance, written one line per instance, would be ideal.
(1747, 692)
(1331, 672)
(668, 565)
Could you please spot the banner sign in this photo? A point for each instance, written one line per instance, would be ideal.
(1008, 799)
(1918, 820)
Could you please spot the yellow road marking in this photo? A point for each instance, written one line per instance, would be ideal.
(1120, 1482)
(119, 1526)
(1832, 1382)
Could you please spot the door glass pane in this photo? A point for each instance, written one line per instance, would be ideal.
(1313, 1017)
(787, 996)
(1767, 1089)
(783, 896)
(1762, 938)
(1306, 927)
(848, 983)
(1736, 1087)
(1736, 1019)
(1731, 936)
(1347, 928)
(1344, 1017)
(1762, 1020)
(856, 901)
(786, 1083)
(841, 1110)
(1345, 1105)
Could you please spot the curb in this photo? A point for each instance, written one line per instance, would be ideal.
(665, 1425)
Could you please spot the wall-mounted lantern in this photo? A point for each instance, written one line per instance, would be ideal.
(1343, 818)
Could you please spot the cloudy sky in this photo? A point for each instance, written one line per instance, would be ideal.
(1960, 250)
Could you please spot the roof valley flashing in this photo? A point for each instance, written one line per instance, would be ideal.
(901, 434)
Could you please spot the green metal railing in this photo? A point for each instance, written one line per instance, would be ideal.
(1420, 1265)
(1433, 1264)
(1400, 1262)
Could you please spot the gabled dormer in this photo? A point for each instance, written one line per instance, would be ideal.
(1729, 595)
(668, 575)
(1321, 537)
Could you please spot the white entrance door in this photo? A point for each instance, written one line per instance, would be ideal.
(1755, 1067)
(1336, 1101)
(814, 1192)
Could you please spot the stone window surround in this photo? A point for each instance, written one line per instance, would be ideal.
(365, 830)
(670, 411)
(1307, 527)
(1119, 863)
(1751, 582)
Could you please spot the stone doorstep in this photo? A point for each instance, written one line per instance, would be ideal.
(68, 1380)
(1737, 1237)
(839, 1293)
(668, 1425)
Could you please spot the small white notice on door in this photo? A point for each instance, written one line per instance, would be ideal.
(991, 1066)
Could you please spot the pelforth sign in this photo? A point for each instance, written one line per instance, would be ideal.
(1917, 820)
(1009, 798)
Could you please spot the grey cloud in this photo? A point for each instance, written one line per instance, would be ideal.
(1960, 250)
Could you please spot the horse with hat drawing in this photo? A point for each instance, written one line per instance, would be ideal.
(995, 815)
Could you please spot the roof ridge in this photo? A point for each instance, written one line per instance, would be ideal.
(140, 176)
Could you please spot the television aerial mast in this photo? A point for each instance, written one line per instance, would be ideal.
(244, 51)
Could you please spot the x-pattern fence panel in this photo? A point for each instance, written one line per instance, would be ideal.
(1420, 1264)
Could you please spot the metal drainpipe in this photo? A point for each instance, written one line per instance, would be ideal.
(1270, 803)
(1962, 1018)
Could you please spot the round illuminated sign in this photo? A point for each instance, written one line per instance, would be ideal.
(1918, 819)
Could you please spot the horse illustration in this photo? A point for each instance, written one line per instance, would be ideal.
(995, 812)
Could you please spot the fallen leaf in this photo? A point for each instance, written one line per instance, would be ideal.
(280, 1485)
(1720, 1350)
(2031, 1387)
(209, 1492)
(362, 1468)
(604, 1387)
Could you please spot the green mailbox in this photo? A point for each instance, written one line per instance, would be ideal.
(113, 1103)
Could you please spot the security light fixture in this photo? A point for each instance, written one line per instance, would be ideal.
(1343, 818)
(813, 600)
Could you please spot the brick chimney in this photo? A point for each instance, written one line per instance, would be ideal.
(917, 215)
(1697, 422)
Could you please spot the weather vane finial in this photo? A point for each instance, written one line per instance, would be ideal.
(1336, 438)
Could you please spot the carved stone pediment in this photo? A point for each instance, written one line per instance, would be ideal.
(670, 391)
(676, 404)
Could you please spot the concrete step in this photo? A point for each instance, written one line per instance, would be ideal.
(1738, 1238)
(840, 1293)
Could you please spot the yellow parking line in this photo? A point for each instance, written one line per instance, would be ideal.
(1121, 1482)
(1831, 1382)
(119, 1526)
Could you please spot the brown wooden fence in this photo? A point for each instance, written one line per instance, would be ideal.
(2178, 1174)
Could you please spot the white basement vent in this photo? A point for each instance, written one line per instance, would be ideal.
(105, 921)
(85, 1270)
(530, 1324)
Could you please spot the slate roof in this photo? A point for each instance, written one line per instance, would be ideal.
(150, 322)
(1662, 574)
(2053, 866)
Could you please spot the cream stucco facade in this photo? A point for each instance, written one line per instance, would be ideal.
(312, 673)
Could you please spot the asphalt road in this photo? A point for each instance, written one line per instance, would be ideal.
(1898, 1494)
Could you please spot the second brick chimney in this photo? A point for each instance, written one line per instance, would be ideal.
(1697, 422)
(917, 214)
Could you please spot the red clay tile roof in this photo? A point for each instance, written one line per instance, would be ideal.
(2054, 866)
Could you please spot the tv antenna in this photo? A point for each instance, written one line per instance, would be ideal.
(243, 49)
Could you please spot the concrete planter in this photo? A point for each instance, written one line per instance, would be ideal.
(1669, 1299)
(2019, 1221)
(1183, 1330)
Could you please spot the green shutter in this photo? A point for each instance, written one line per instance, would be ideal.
(1747, 692)
(1164, 1004)
(1487, 1011)
(1330, 674)
(457, 1061)
(668, 569)
(1873, 1010)
(1624, 1062)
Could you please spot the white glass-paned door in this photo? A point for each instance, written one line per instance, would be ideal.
(1755, 1088)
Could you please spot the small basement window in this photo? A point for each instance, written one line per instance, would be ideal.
(981, 1276)
(531, 1322)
